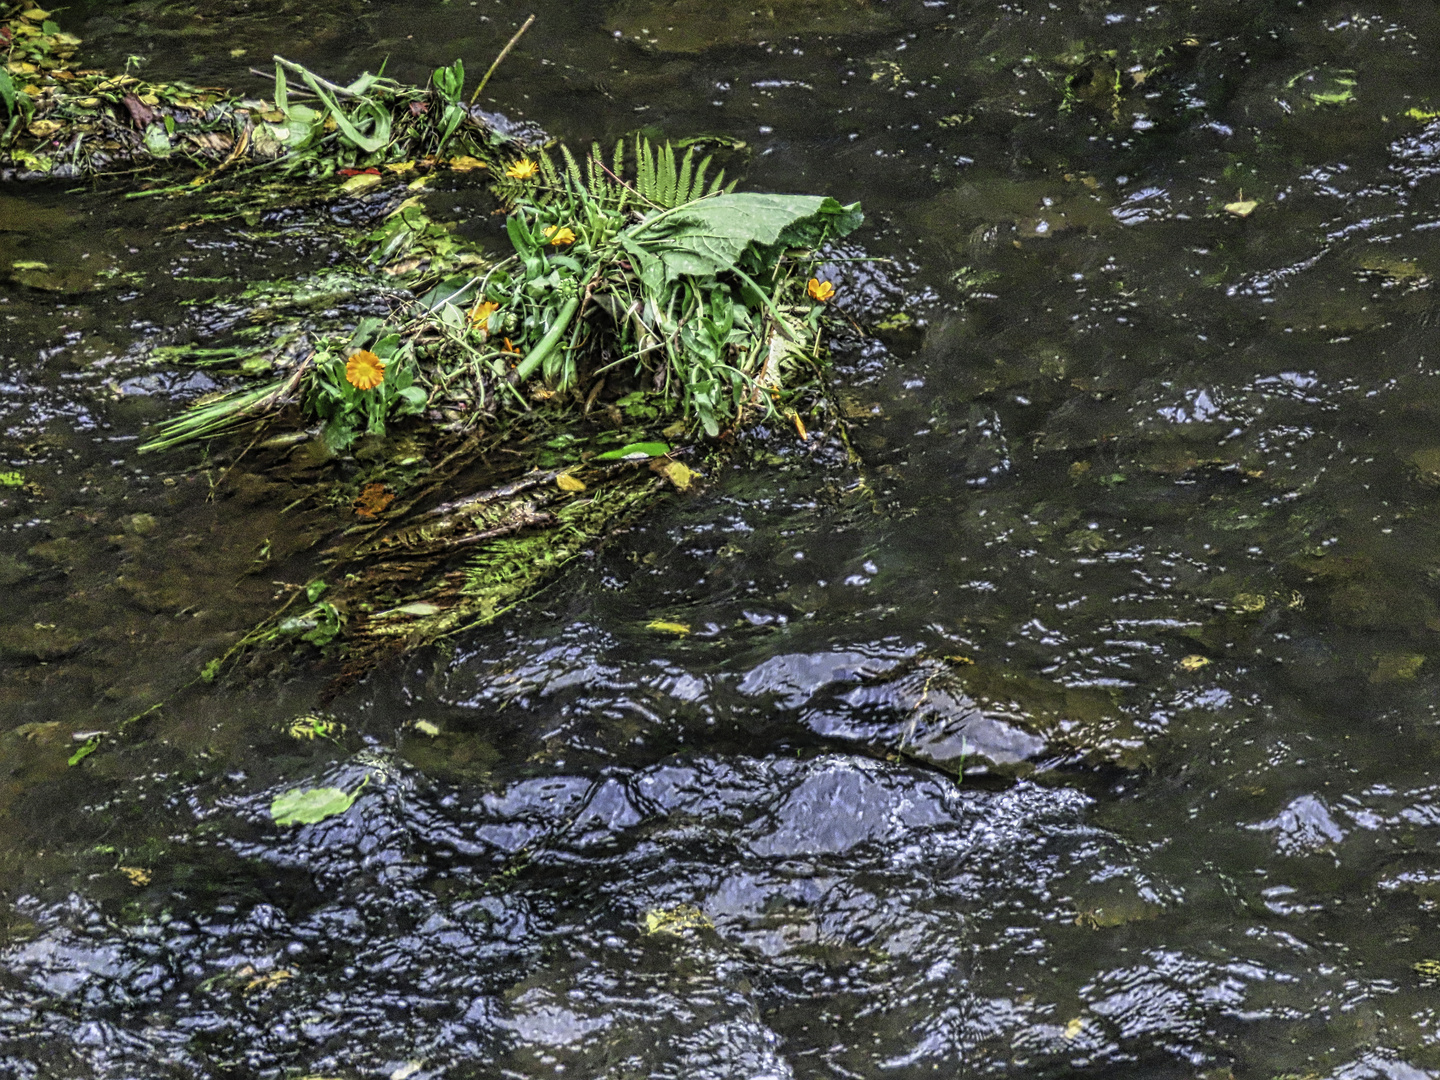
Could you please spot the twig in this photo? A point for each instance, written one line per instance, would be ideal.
(503, 53)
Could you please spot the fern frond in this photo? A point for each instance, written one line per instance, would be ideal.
(572, 169)
(548, 170)
(682, 184)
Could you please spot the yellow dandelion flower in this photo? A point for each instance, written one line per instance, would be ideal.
(820, 290)
(524, 169)
(364, 370)
(480, 316)
(560, 235)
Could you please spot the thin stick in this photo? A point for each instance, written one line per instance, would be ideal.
(503, 53)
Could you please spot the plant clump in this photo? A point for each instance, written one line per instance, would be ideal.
(644, 312)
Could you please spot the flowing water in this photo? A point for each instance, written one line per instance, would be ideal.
(1086, 727)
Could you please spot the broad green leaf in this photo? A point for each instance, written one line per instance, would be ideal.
(634, 449)
(709, 236)
(299, 807)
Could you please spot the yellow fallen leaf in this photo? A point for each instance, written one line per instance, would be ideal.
(677, 919)
(43, 129)
(566, 482)
(465, 163)
(269, 981)
(1194, 662)
(680, 475)
(360, 182)
(1242, 208)
(400, 166)
(1250, 603)
(137, 876)
(668, 627)
(425, 727)
(1074, 1027)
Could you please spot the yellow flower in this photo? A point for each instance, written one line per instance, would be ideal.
(820, 290)
(364, 370)
(560, 235)
(524, 169)
(481, 315)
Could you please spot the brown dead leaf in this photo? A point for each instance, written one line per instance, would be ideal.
(372, 501)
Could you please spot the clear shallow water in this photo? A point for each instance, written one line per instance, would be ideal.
(1128, 432)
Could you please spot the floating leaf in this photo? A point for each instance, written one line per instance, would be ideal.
(1242, 208)
(680, 475)
(634, 450)
(668, 627)
(12, 479)
(89, 747)
(677, 919)
(1194, 662)
(138, 877)
(419, 609)
(425, 727)
(301, 807)
(359, 183)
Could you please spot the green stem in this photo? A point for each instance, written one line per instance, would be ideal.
(537, 356)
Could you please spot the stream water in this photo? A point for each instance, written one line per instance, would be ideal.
(1158, 477)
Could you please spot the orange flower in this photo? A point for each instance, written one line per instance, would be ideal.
(364, 370)
(820, 290)
(560, 235)
(480, 316)
(524, 169)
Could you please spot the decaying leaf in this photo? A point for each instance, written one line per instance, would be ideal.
(373, 500)
(668, 627)
(676, 920)
(1194, 662)
(268, 981)
(566, 482)
(137, 876)
(679, 474)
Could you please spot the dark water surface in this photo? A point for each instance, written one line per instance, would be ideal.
(1162, 482)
